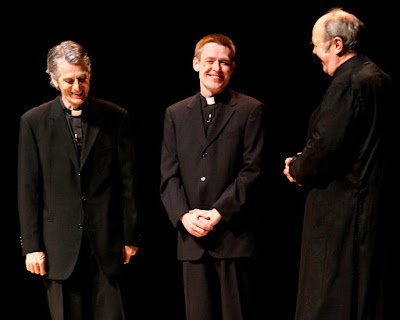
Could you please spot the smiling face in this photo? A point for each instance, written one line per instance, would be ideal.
(73, 82)
(327, 55)
(331, 52)
(214, 67)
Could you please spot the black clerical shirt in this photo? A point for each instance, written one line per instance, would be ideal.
(210, 111)
(77, 127)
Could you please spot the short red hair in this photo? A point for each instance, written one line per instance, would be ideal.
(219, 39)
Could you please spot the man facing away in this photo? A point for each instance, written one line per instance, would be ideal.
(78, 217)
(210, 164)
(344, 167)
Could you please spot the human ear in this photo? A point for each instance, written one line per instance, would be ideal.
(196, 64)
(54, 81)
(338, 46)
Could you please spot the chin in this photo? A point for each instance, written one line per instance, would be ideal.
(77, 101)
(217, 89)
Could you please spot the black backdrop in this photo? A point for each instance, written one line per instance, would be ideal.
(142, 60)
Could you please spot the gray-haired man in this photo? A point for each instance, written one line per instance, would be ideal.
(78, 217)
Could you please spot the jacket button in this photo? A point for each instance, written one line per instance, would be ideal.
(80, 225)
(83, 199)
(205, 154)
(203, 179)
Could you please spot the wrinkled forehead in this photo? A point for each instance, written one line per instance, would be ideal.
(67, 69)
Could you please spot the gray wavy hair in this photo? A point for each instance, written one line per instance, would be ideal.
(70, 51)
(345, 26)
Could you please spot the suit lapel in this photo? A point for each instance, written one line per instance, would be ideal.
(194, 120)
(93, 117)
(62, 131)
(225, 112)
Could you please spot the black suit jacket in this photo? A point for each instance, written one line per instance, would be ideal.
(217, 171)
(58, 194)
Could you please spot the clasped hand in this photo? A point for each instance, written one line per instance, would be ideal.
(199, 222)
(286, 171)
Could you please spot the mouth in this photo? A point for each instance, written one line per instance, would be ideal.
(216, 77)
(77, 95)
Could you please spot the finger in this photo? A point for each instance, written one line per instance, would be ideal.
(288, 160)
(35, 268)
(197, 235)
(42, 266)
(198, 232)
(193, 226)
(196, 212)
(203, 224)
(125, 255)
(42, 269)
(38, 267)
(134, 250)
(201, 214)
(28, 266)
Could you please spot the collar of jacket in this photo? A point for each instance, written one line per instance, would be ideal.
(194, 118)
(356, 60)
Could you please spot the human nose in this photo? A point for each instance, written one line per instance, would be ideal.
(76, 85)
(216, 66)
(314, 50)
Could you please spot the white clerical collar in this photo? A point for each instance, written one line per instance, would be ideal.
(210, 100)
(76, 113)
(72, 112)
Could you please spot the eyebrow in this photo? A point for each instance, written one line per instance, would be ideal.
(223, 59)
(81, 76)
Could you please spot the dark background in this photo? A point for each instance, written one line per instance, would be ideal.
(142, 60)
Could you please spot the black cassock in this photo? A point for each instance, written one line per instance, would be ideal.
(343, 167)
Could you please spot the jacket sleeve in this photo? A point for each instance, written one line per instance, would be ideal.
(232, 200)
(329, 145)
(29, 191)
(131, 221)
(172, 192)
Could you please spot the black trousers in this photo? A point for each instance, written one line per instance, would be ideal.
(88, 294)
(220, 289)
